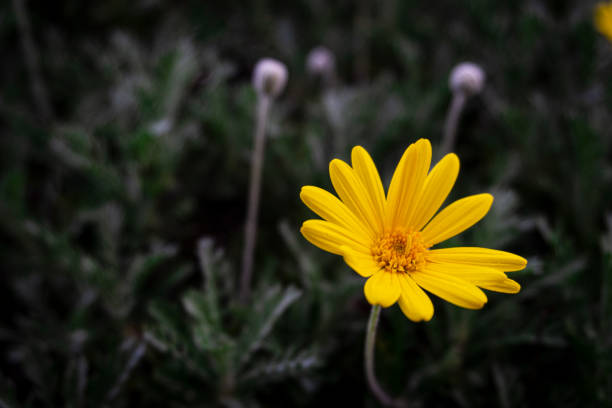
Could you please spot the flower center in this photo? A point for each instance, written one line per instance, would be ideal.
(400, 251)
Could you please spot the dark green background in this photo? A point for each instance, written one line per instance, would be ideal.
(111, 298)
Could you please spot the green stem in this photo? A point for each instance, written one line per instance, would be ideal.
(32, 60)
(452, 121)
(376, 389)
(263, 107)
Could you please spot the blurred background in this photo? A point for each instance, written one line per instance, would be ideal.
(126, 132)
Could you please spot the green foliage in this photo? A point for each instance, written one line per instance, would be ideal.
(227, 346)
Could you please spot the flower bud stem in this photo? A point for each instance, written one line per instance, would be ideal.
(250, 233)
(452, 121)
(376, 389)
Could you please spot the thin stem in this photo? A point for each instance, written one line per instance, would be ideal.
(377, 390)
(38, 88)
(250, 232)
(452, 120)
(362, 25)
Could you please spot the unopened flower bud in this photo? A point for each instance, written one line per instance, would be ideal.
(321, 61)
(269, 77)
(468, 78)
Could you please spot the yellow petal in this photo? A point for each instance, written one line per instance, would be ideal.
(456, 218)
(481, 276)
(503, 286)
(331, 237)
(365, 169)
(438, 184)
(454, 290)
(382, 288)
(330, 208)
(352, 193)
(603, 19)
(501, 260)
(360, 262)
(415, 303)
(407, 183)
(469, 273)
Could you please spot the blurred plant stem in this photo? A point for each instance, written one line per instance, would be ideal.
(38, 88)
(376, 389)
(250, 232)
(452, 120)
(362, 26)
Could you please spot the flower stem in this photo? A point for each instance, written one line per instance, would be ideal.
(452, 120)
(376, 389)
(250, 232)
(38, 88)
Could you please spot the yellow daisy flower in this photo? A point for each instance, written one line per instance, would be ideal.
(603, 19)
(389, 239)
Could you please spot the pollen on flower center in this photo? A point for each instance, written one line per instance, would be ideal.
(399, 251)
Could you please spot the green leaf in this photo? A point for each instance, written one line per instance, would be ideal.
(289, 364)
(267, 310)
(210, 260)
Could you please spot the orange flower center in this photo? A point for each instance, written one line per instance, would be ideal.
(400, 251)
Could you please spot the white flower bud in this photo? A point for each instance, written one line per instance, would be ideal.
(467, 77)
(269, 77)
(321, 61)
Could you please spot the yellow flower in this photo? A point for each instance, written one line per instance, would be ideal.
(388, 239)
(603, 19)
